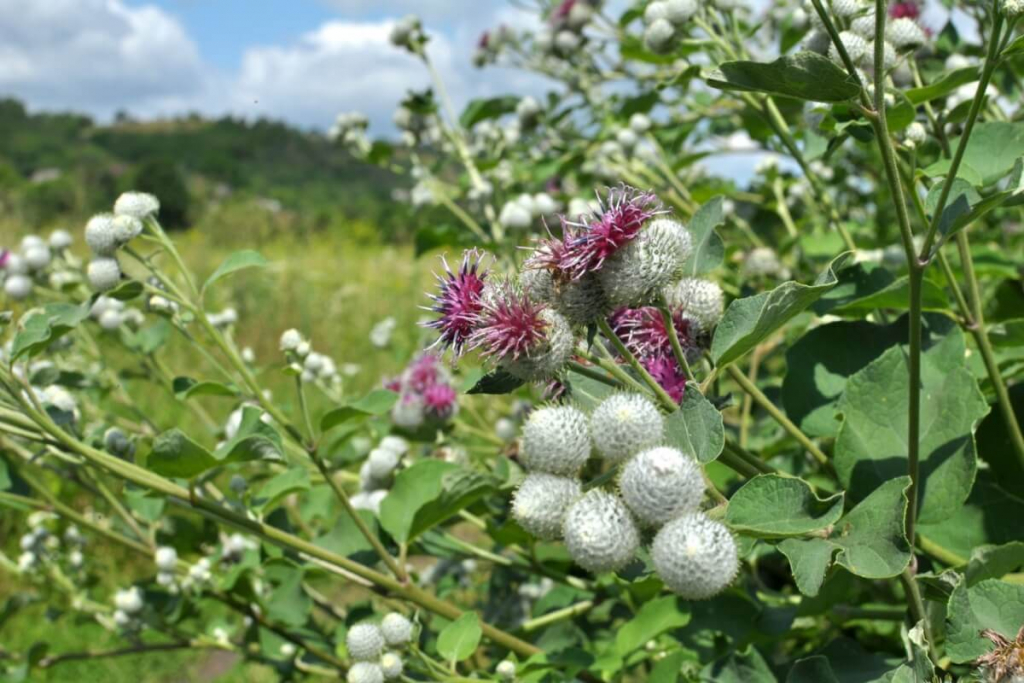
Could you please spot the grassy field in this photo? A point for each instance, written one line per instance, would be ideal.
(330, 287)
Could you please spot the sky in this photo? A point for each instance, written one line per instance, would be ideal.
(303, 61)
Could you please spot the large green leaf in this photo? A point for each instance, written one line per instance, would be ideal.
(820, 363)
(174, 454)
(994, 562)
(990, 604)
(288, 602)
(749, 321)
(651, 620)
(414, 488)
(864, 288)
(991, 516)
(739, 667)
(809, 559)
(587, 393)
(696, 428)
(943, 86)
(871, 538)
(806, 76)
(254, 440)
(459, 639)
(186, 388)
(992, 150)
(774, 506)
(482, 109)
(346, 540)
(376, 402)
(965, 206)
(277, 488)
(871, 447)
(40, 328)
(239, 260)
(460, 488)
(812, 670)
(708, 248)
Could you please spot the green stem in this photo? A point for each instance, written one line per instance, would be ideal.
(986, 75)
(915, 603)
(780, 417)
(558, 615)
(673, 338)
(659, 391)
(587, 371)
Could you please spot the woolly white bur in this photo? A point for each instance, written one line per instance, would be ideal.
(166, 558)
(104, 273)
(625, 424)
(695, 556)
(100, 235)
(556, 440)
(647, 264)
(18, 287)
(542, 501)
(391, 665)
(661, 484)
(136, 204)
(506, 670)
(600, 533)
(397, 629)
(701, 300)
(365, 672)
(365, 642)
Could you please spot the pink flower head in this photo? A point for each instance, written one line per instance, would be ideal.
(485, 39)
(668, 374)
(440, 401)
(586, 245)
(5, 256)
(510, 326)
(908, 10)
(393, 384)
(422, 373)
(643, 330)
(561, 13)
(458, 302)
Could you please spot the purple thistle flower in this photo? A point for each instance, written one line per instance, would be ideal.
(586, 245)
(561, 13)
(909, 10)
(5, 256)
(440, 401)
(643, 330)
(422, 373)
(510, 326)
(458, 301)
(666, 372)
(393, 384)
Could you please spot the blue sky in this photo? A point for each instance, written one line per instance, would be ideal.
(304, 61)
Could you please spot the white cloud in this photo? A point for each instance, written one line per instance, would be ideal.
(96, 55)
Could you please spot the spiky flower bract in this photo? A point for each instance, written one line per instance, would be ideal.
(588, 243)
(556, 439)
(1005, 662)
(625, 424)
(644, 332)
(581, 300)
(661, 484)
(365, 672)
(137, 205)
(365, 642)
(654, 259)
(104, 273)
(458, 301)
(542, 501)
(695, 556)
(702, 301)
(397, 629)
(905, 33)
(600, 533)
(440, 402)
(666, 372)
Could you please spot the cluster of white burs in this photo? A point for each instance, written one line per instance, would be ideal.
(660, 489)
(368, 645)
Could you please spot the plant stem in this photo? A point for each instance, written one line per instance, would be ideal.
(53, 660)
(556, 616)
(659, 392)
(673, 338)
(915, 603)
(587, 371)
(780, 417)
(986, 75)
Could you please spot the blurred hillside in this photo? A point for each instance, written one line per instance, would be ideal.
(263, 177)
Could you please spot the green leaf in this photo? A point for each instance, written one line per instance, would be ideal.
(821, 362)
(41, 328)
(482, 109)
(667, 669)
(994, 443)
(749, 321)
(460, 488)
(809, 558)
(414, 487)
(587, 393)
(276, 489)
(346, 540)
(459, 639)
(864, 288)
(994, 562)
(439, 235)
(376, 402)
(871, 446)
(943, 86)
(174, 454)
(739, 667)
(696, 428)
(990, 604)
(991, 516)
(773, 506)
(1009, 333)
(806, 76)
(871, 538)
(812, 670)
(150, 338)
(708, 248)
(497, 382)
(255, 440)
(288, 602)
(126, 291)
(993, 149)
(239, 260)
(1015, 47)
(5, 477)
(652, 619)
(186, 387)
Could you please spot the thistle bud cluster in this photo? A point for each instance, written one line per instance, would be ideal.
(491, 44)
(105, 233)
(42, 544)
(407, 33)
(664, 21)
(35, 256)
(373, 648)
(522, 212)
(349, 128)
(660, 488)
(426, 394)
(310, 366)
(378, 472)
(112, 313)
(564, 34)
